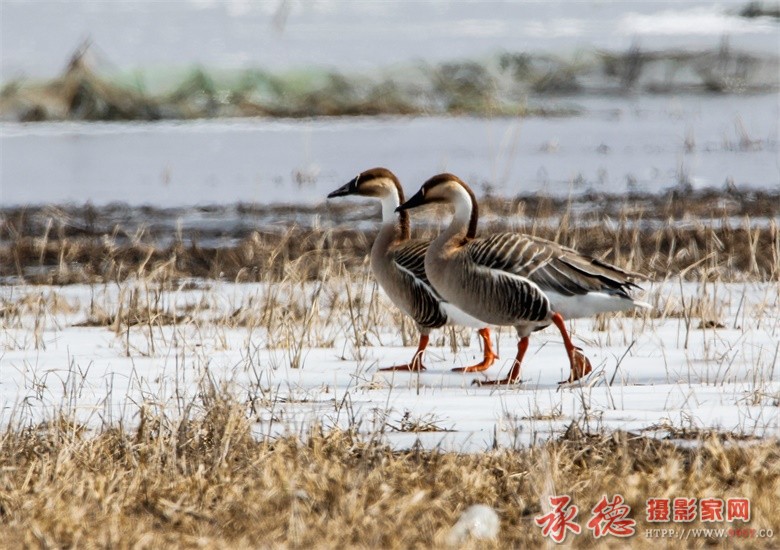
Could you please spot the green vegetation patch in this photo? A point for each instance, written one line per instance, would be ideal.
(509, 83)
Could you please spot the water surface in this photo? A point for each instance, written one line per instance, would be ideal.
(617, 145)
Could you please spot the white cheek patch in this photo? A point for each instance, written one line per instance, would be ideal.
(462, 202)
(389, 203)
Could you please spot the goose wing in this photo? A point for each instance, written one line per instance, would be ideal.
(409, 260)
(550, 266)
(410, 257)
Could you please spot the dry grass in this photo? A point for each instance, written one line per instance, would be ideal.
(203, 480)
(726, 236)
(202, 476)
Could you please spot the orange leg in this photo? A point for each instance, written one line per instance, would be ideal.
(416, 365)
(488, 358)
(514, 374)
(580, 365)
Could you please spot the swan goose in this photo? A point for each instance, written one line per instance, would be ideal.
(397, 262)
(517, 280)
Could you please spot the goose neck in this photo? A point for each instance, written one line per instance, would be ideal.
(463, 225)
(395, 225)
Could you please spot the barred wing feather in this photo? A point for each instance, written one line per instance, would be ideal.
(409, 258)
(552, 267)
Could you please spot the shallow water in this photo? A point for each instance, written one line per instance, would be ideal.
(616, 145)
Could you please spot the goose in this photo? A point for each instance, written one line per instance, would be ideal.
(397, 262)
(511, 279)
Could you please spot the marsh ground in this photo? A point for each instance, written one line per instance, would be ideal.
(144, 405)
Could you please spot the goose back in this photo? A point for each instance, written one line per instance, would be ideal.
(552, 267)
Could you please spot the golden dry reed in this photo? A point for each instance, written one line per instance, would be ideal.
(205, 481)
(730, 236)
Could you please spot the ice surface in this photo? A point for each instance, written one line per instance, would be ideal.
(657, 375)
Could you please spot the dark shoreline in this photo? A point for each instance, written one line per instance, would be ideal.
(736, 231)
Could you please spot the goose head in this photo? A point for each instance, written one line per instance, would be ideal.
(377, 183)
(448, 189)
(442, 188)
(382, 184)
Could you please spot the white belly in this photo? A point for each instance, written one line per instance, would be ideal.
(456, 316)
(587, 305)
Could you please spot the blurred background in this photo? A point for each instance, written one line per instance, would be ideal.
(205, 102)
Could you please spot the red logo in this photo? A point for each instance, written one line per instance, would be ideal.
(658, 509)
(737, 509)
(711, 509)
(559, 520)
(610, 518)
(684, 509)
